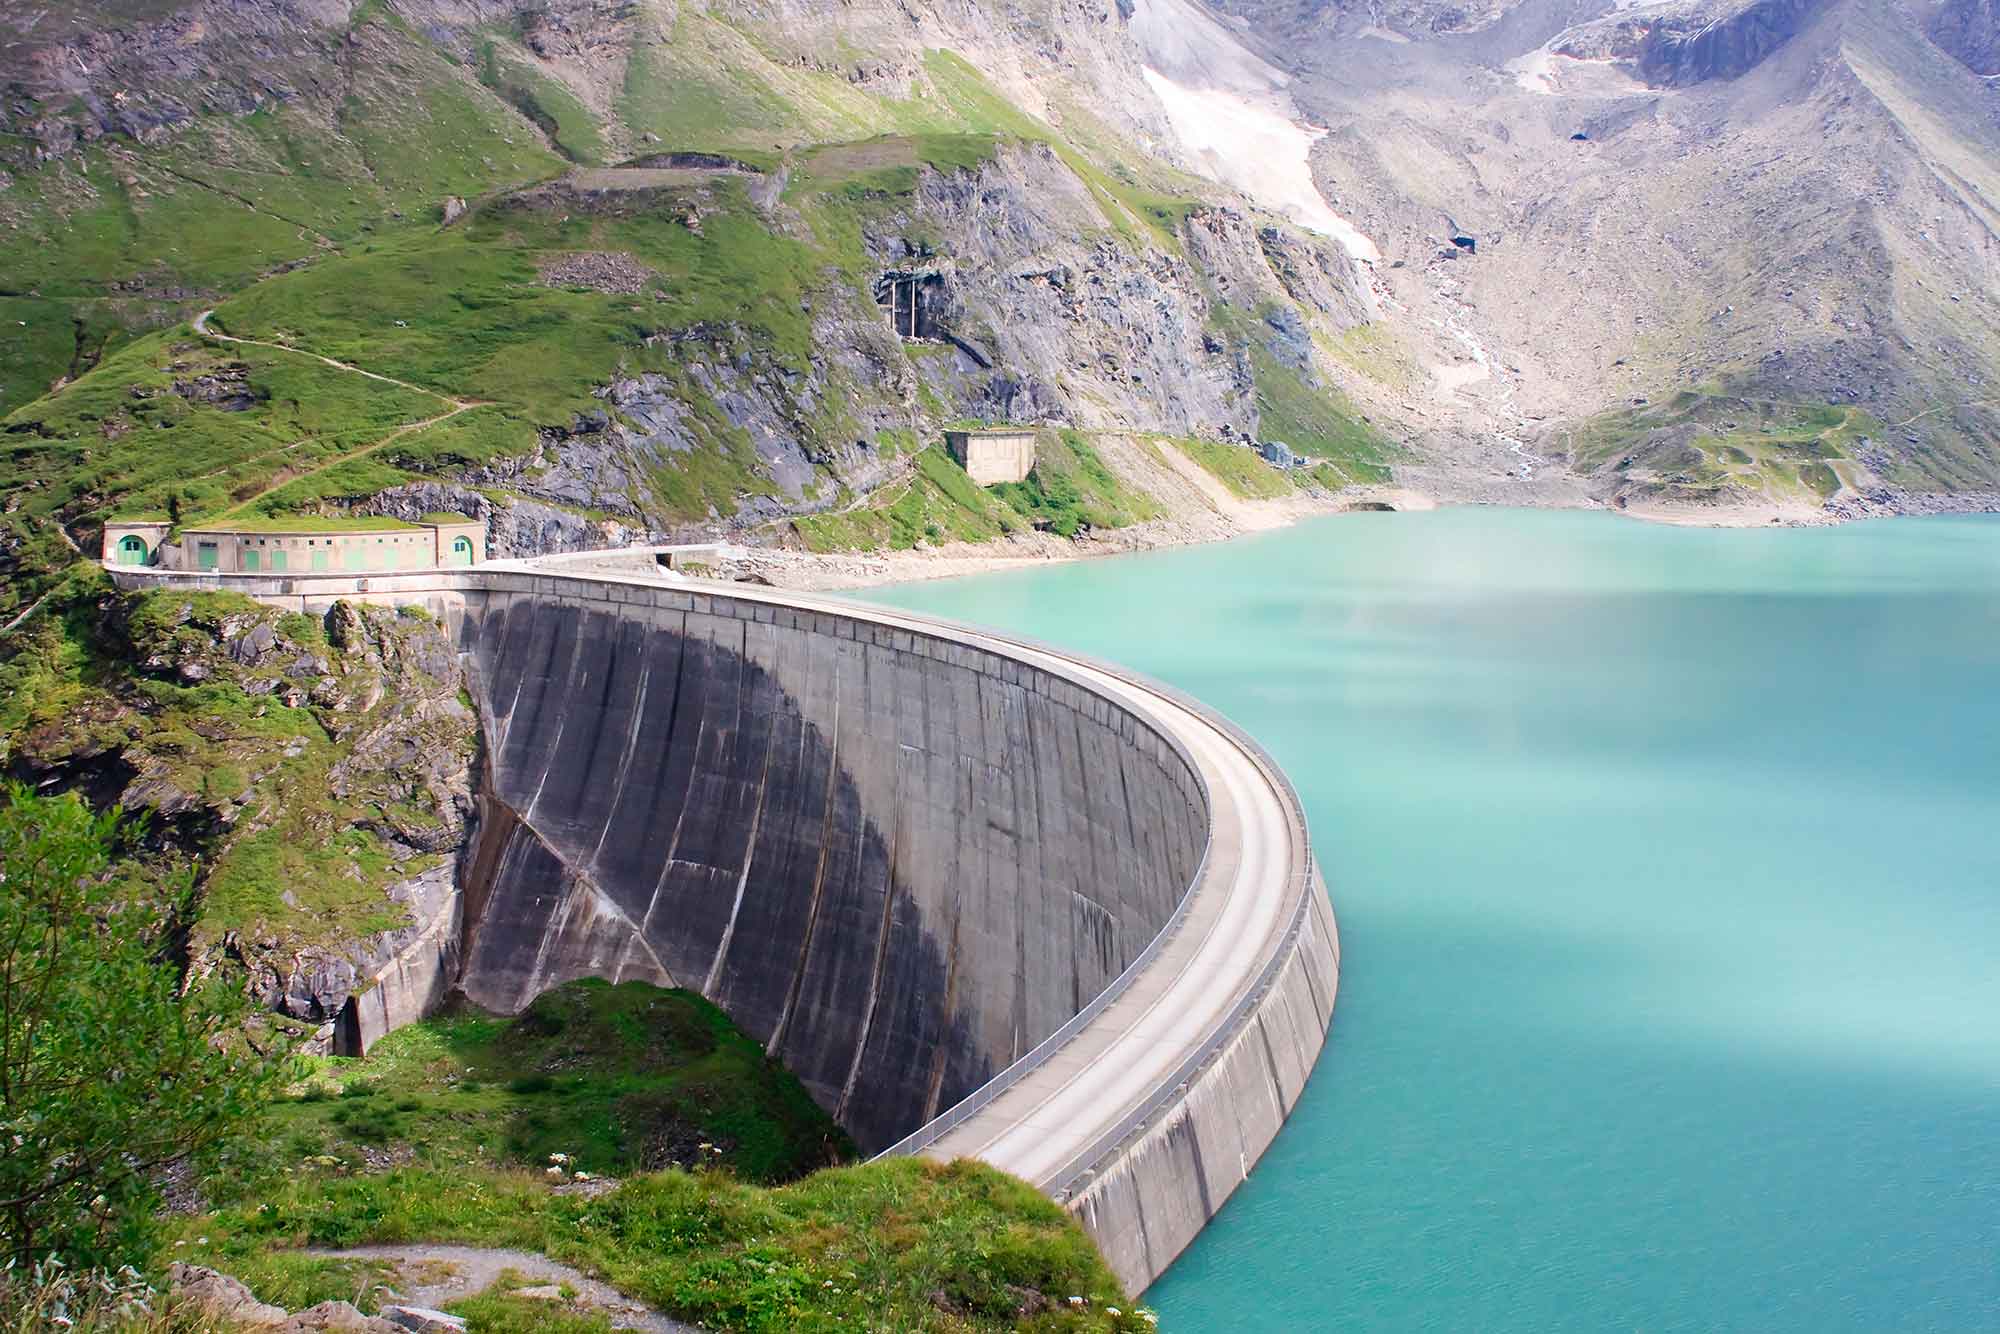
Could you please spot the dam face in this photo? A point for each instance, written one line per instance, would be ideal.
(898, 861)
(987, 899)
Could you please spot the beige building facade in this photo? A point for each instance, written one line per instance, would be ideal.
(301, 547)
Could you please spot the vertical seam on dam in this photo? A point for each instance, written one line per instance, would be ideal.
(743, 880)
(1200, 1170)
(881, 938)
(771, 1048)
(944, 1021)
(1312, 989)
(1145, 1233)
(562, 719)
(631, 746)
(666, 763)
(1271, 1064)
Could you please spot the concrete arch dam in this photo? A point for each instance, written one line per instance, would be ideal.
(905, 855)
(983, 897)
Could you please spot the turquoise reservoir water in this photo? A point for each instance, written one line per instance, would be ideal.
(1667, 864)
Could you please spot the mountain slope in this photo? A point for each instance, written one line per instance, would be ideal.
(683, 342)
(631, 251)
(1779, 201)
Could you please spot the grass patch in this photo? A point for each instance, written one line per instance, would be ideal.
(1718, 442)
(136, 435)
(752, 1238)
(1070, 489)
(902, 1244)
(545, 103)
(936, 503)
(620, 1079)
(1318, 423)
(1237, 467)
(469, 440)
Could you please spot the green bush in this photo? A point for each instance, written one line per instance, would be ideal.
(109, 1069)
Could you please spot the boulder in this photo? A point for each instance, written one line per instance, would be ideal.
(546, 1292)
(337, 1316)
(222, 1299)
(423, 1320)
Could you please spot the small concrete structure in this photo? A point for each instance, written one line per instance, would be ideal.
(299, 546)
(994, 456)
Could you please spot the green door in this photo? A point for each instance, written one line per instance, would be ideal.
(206, 556)
(354, 557)
(322, 560)
(278, 562)
(461, 551)
(252, 562)
(131, 550)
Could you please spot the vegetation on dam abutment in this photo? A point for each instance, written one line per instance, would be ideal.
(635, 1134)
(693, 1174)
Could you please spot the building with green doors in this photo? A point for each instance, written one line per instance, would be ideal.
(299, 544)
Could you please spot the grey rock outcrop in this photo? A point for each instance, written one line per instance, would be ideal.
(1970, 31)
(221, 1298)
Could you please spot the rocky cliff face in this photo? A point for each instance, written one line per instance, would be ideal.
(96, 69)
(312, 777)
(1678, 46)
(1970, 31)
(1042, 313)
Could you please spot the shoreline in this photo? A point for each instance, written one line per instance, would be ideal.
(1226, 517)
(1229, 517)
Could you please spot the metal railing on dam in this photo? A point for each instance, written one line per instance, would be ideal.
(1015, 904)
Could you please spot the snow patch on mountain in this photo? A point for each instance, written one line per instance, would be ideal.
(1231, 111)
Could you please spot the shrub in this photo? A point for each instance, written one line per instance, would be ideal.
(107, 1071)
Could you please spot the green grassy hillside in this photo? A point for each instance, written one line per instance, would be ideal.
(1719, 442)
(314, 225)
(726, 1201)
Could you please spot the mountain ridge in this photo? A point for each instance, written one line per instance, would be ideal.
(1658, 218)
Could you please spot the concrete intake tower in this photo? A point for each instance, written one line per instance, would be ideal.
(983, 897)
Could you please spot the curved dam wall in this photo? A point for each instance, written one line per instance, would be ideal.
(985, 898)
(899, 861)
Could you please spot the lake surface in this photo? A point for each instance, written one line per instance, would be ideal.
(1667, 866)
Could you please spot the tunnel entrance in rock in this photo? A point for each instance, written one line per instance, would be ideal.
(915, 301)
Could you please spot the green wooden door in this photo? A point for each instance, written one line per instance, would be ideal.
(461, 551)
(206, 556)
(252, 561)
(278, 562)
(354, 557)
(131, 550)
(322, 560)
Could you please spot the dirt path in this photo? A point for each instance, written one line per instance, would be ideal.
(26, 612)
(458, 405)
(1942, 407)
(201, 327)
(348, 457)
(434, 1275)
